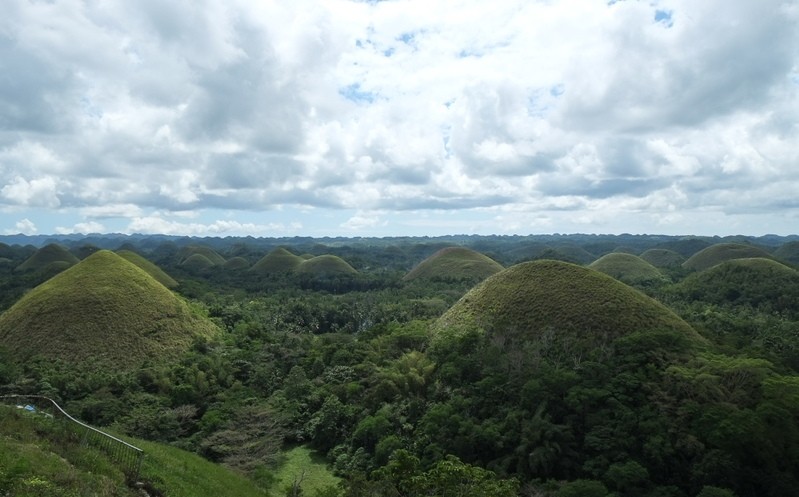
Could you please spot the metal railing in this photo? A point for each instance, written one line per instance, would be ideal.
(127, 456)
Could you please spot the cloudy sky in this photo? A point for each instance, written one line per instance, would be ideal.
(399, 117)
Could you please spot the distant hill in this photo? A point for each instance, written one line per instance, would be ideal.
(151, 269)
(788, 252)
(627, 268)
(207, 252)
(716, 254)
(757, 282)
(236, 264)
(47, 255)
(104, 309)
(686, 247)
(197, 262)
(665, 258)
(560, 301)
(278, 260)
(567, 253)
(454, 263)
(326, 265)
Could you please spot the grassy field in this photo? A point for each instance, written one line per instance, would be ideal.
(304, 465)
(454, 263)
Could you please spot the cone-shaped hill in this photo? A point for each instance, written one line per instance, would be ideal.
(659, 257)
(151, 269)
(326, 266)
(571, 303)
(755, 282)
(105, 309)
(236, 264)
(207, 252)
(197, 262)
(627, 268)
(788, 252)
(716, 254)
(454, 263)
(49, 254)
(279, 260)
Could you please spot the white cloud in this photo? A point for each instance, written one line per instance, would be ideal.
(157, 224)
(24, 226)
(39, 192)
(360, 221)
(84, 228)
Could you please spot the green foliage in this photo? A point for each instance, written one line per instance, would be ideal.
(279, 260)
(659, 257)
(325, 266)
(718, 253)
(454, 263)
(628, 268)
(582, 488)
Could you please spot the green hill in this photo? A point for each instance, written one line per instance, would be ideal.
(151, 269)
(454, 263)
(104, 309)
(627, 268)
(556, 299)
(279, 260)
(326, 265)
(197, 262)
(236, 264)
(567, 253)
(716, 254)
(666, 258)
(686, 247)
(757, 282)
(207, 252)
(47, 255)
(788, 252)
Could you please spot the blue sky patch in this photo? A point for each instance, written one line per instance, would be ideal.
(354, 93)
(664, 17)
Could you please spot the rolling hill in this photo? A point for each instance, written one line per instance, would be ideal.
(454, 263)
(559, 299)
(236, 264)
(326, 266)
(716, 254)
(49, 254)
(664, 258)
(151, 269)
(788, 252)
(627, 268)
(103, 309)
(207, 252)
(197, 262)
(278, 260)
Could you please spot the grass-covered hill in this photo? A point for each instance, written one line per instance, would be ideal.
(758, 282)
(627, 268)
(665, 258)
(278, 260)
(326, 266)
(560, 301)
(720, 252)
(788, 252)
(207, 252)
(104, 309)
(237, 263)
(197, 262)
(567, 253)
(454, 263)
(151, 269)
(686, 247)
(38, 459)
(47, 255)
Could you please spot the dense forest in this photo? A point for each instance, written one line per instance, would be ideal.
(557, 365)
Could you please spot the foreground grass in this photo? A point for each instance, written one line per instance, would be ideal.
(307, 467)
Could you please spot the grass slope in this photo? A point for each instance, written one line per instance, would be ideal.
(326, 265)
(659, 257)
(553, 298)
(279, 260)
(686, 247)
(788, 252)
(207, 252)
(716, 254)
(304, 465)
(46, 256)
(197, 262)
(627, 268)
(755, 282)
(36, 459)
(458, 263)
(151, 269)
(236, 264)
(104, 309)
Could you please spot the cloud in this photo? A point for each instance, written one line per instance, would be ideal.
(157, 224)
(24, 226)
(84, 228)
(39, 192)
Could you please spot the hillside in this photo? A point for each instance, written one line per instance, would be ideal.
(454, 263)
(47, 255)
(236, 264)
(278, 260)
(572, 303)
(197, 262)
(207, 252)
(104, 309)
(788, 252)
(150, 268)
(326, 266)
(757, 282)
(627, 268)
(716, 254)
(664, 258)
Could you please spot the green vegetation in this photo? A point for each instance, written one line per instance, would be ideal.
(103, 309)
(207, 252)
(304, 468)
(454, 263)
(151, 269)
(788, 252)
(326, 265)
(197, 262)
(659, 257)
(47, 255)
(236, 264)
(278, 261)
(579, 307)
(716, 254)
(628, 268)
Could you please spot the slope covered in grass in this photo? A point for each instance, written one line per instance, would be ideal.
(305, 467)
(206, 252)
(326, 265)
(788, 252)
(757, 282)
(659, 257)
(47, 255)
(236, 264)
(716, 254)
(279, 260)
(557, 299)
(151, 269)
(197, 262)
(627, 268)
(454, 263)
(104, 309)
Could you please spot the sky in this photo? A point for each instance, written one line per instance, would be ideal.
(399, 117)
